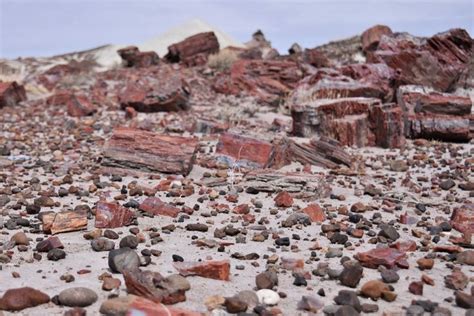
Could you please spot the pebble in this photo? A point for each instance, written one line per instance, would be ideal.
(268, 297)
(102, 244)
(123, 259)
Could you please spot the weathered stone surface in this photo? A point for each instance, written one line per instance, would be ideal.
(462, 219)
(48, 244)
(316, 58)
(218, 270)
(112, 215)
(371, 37)
(155, 206)
(434, 115)
(387, 257)
(267, 80)
(315, 213)
(77, 297)
(11, 93)
(64, 221)
(133, 57)
(21, 298)
(78, 105)
(436, 62)
(149, 152)
(155, 287)
(246, 150)
(345, 120)
(162, 89)
(193, 50)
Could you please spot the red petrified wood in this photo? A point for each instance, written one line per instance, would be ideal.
(218, 270)
(149, 152)
(155, 206)
(112, 215)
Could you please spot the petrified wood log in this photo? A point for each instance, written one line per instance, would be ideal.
(149, 152)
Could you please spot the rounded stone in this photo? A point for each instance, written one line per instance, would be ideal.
(268, 297)
(123, 259)
(77, 297)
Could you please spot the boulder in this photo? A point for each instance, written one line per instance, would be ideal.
(194, 50)
(11, 93)
(77, 105)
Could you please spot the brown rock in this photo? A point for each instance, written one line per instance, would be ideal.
(112, 215)
(416, 287)
(462, 219)
(65, 221)
(132, 57)
(11, 93)
(149, 152)
(48, 244)
(425, 263)
(457, 280)
(374, 289)
(218, 270)
(155, 206)
(21, 298)
(193, 50)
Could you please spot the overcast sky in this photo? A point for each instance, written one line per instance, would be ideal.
(49, 27)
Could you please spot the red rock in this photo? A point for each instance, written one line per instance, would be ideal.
(161, 89)
(11, 93)
(447, 248)
(149, 152)
(193, 50)
(371, 37)
(374, 289)
(448, 55)
(65, 221)
(48, 244)
(21, 298)
(267, 80)
(315, 213)
(387, 125)
(58, 74)
(134, 58)
(404, 246)
(242, 209)
(130, 112)
(457, 280)
(416, 287)
(345, 120)
(462, 219)
(387, 257)
(112, 215)
(155, 206)
(435, 115)
(293, 264)
(77, 105)
(283, 199)
(155, 287)
(218, 270)
(248, 150)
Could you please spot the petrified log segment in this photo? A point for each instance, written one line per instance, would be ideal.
(162, 90)
(252, 153)
(194, 50)
(436, 62)
(434, 115)
(266, 80)
(11, 93)
(132, 57)
(65, 221)
(150, 152)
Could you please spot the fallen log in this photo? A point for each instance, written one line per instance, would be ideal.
(149, 152)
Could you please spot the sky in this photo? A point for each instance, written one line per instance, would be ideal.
(51, 27)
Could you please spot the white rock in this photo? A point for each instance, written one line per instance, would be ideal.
(268, 297)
